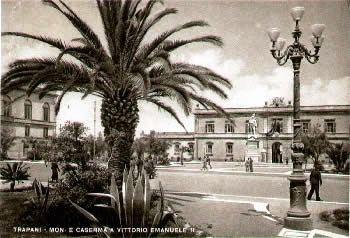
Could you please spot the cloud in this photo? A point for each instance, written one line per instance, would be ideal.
(248, 89)
(328, 92)
(254, 89)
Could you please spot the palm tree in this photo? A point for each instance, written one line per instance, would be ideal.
(14, 173)
(128, 70)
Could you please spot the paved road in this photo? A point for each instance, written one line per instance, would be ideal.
(227, 201)
(332, 190)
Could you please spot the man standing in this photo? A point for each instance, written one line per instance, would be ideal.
(55, 169)
(246, 165)
(250, 164)
(204, 164)
(315, 181)
(208, 161)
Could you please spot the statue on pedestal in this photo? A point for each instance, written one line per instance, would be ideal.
(253, 124)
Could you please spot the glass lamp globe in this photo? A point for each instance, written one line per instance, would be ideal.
(297, 13)
(317, 29)
(273, 33)
(314, 41)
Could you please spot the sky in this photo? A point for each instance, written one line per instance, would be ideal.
(244, 59)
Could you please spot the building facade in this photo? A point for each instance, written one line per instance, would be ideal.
(226, 140)
(28, 119)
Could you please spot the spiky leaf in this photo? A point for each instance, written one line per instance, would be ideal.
(138, 204)
(87, 214)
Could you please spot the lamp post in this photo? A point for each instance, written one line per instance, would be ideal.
(298, 217)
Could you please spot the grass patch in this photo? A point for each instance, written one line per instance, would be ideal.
(10, 207)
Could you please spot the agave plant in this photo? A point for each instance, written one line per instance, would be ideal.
(41, 202)
(131, 205)
(128, 70)
(16, 172)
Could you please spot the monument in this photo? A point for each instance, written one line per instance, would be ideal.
(252, 150)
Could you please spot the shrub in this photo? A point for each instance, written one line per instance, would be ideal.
(338, 217)
(163, 160)
(150, 168)
(16, 172)
(75, 185)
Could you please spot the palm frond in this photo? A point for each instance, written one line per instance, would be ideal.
(148, 48)
(48, 40)
(204, 71)
(77, 22)
(207, 103)
(166, 108)
(174, 44)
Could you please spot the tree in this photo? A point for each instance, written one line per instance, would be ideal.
(315, 143)
(70, 145)
(100, 145)
(127, 71)
(7, 140)
(151, 145)
(338, 153)
(139, 147)
(156, 147)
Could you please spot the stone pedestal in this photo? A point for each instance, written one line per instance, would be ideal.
(298, 217)
(252, 150)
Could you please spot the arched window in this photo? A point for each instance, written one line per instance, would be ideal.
(229, 148)
(46, 112)
(190, 147)
(209, 148)
(6, 108)
(177, 147)
(28, 109)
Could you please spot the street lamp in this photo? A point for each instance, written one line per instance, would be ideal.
(298, 217)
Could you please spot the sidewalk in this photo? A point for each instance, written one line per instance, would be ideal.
(239, 216)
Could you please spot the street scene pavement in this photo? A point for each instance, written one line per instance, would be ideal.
(227, 201)
(257, 204)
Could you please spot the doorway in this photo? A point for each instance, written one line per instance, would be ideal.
(277, 152)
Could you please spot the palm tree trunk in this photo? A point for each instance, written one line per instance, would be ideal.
(119, 117)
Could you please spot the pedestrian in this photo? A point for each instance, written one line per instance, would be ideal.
(347, 166)
(204, 164)
(315, 181)
(139, 164)
(208, 161)
(55, 169)
(250, 164)
(246, 165)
